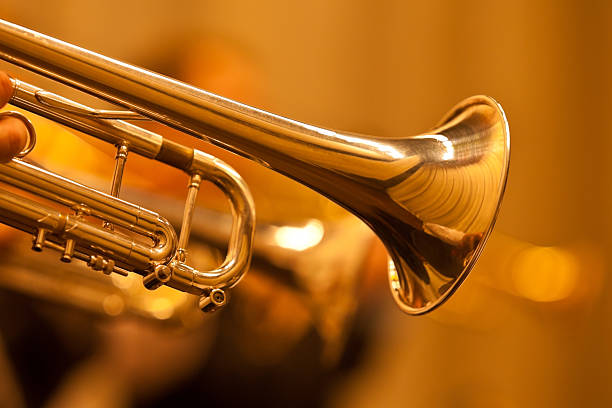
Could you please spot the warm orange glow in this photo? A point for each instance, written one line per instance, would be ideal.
(124, 282)
(161, 308)
(113, 305)
(545, 274)
(300, 238)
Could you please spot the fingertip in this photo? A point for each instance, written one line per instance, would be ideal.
(6, 88)
(13, 138)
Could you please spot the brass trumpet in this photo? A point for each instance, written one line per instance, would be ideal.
(432, 199)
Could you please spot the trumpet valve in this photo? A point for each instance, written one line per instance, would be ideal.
(158, 277)
(68, 251)
(98, 263)
(213, 301)
(39, 240)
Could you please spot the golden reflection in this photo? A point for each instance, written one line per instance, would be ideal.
(383, 148)
(545, 274)
(449, 154)
(300, 238)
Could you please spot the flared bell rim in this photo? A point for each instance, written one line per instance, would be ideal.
(503, 179)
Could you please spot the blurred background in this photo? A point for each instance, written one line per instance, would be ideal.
(314, 324)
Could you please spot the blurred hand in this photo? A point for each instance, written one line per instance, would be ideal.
(13, 133)
(13, 137)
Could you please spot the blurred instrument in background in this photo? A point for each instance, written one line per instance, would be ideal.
(307, 259)
(432, 199)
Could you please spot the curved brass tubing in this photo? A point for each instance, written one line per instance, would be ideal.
(432, 198)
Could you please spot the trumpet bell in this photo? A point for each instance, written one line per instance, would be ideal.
(442, 197)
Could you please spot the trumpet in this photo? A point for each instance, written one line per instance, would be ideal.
(432, 199)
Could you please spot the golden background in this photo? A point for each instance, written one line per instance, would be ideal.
(531, 326)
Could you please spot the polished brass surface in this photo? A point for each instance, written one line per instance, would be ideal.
(76, 234)
(432, 199)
